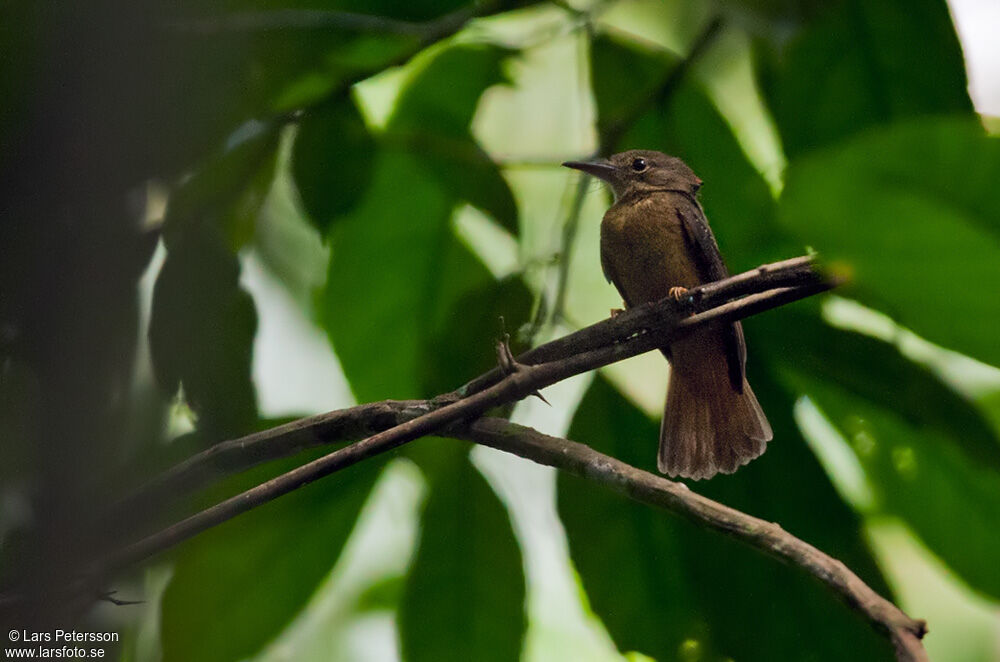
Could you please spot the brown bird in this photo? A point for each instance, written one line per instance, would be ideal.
(655, 242)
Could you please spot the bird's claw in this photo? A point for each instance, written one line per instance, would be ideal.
(677, 293)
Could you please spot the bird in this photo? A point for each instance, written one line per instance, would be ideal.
(655, 243)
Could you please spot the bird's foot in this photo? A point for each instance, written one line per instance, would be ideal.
(615, 312)
(677, 293)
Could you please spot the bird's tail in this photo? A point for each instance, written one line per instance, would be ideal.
(708, 427)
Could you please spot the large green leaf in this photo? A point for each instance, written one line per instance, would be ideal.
(332, 161)
(663, 585)
(876, 372)
(398, 268)
(909, 212)
(432, 118)
(927, 453)
(861, 64)
(237, 586)
(201, 333)
(464, 596)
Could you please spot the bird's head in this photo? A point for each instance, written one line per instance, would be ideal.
(641, 171)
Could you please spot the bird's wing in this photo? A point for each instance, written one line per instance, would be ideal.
(708, 260)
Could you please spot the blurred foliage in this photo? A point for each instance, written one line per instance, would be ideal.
(464, 597)
(238, 585)
(683, 583)
(246, 118)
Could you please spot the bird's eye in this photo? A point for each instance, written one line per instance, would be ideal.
(639, 165)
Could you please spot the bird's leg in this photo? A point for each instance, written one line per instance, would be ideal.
(677, 292)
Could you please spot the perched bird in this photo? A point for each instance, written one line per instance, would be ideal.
(655, 242)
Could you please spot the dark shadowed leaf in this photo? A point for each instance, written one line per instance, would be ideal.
(462, 344)
(875, 371)
(464, 596)
(671, 582)
(237, 586)
(909, 213)
(927, 453)
(332, 161)
(861, 64)
(201, 334)
(227, 189)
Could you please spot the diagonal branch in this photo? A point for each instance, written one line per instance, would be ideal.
(768, 537)
(356, 423)
(634, 332)
(390, 424)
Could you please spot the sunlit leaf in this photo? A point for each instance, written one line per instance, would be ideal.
(432, 118)
(397, 267)
(909, 214)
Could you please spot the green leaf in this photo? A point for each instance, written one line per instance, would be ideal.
(201, 334)
(396, 270)
(332, 161)
(862, 64)
(397, 266)
(432, 118)
(876, 372)
(673, 586)
(464, 596)
(238, 585)
(461, 345)
(925, 451)
(909, 212)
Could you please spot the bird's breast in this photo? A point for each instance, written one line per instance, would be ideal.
(644, 250)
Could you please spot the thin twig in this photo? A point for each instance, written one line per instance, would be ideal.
(768, 537)
(666, 322)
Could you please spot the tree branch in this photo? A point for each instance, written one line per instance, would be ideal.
(387, 425)
(768, 537)
(634, 332)
(356, 423)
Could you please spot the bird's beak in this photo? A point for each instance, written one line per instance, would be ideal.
(600, 168)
